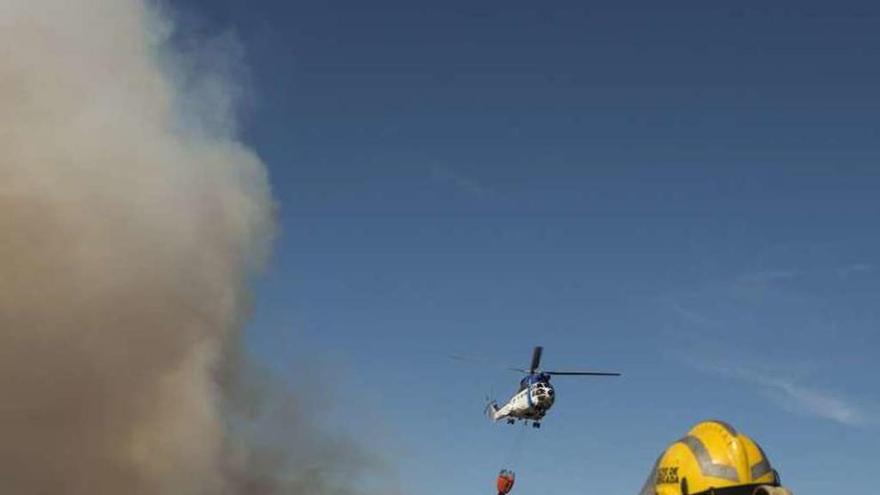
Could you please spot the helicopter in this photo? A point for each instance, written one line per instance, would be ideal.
(535, 395)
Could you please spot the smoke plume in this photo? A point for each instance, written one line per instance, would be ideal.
(130, 221)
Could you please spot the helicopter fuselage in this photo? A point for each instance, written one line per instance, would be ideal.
(535, 395)
(531, 402)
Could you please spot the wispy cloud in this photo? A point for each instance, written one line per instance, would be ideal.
(854, 269)
(758, 286)
(775, 305)
(822, 404)
(797, 398)
(768, 276)
(462, 182)
(691, 316)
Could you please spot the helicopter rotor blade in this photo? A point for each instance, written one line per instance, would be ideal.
(582, 373)
(536, 359)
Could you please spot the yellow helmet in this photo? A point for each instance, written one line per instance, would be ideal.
(713, 459)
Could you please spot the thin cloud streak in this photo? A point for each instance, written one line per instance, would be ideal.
(797, 398)
(854, 269)
(691, 316)
(460, 181)
(818, 403)
(753, 298)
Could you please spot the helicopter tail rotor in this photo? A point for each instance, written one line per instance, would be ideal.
(490, 409)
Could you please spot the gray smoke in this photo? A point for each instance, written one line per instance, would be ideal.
(130, 221)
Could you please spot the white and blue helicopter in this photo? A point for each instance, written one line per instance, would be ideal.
(535, 395)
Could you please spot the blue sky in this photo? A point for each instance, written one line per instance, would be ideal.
(685, 192)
